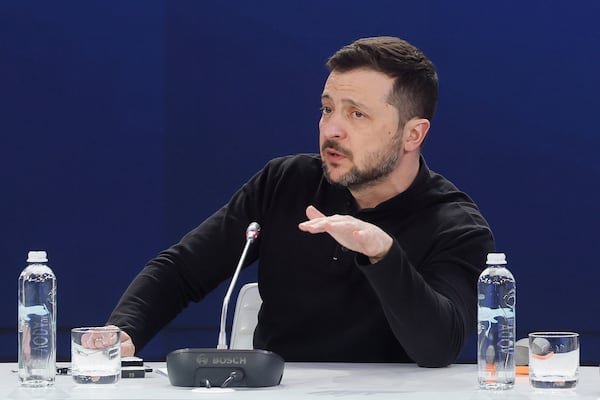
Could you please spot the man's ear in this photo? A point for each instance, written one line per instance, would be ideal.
(415, 131)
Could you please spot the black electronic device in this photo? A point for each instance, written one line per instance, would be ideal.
(133, 367)
(223, 367)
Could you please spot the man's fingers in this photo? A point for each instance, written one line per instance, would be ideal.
(350, 232)
(127, 348)
(312, 225)
(312, 213)
(97, 339)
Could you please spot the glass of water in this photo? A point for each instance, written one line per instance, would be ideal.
(553, 359)
(96, 354)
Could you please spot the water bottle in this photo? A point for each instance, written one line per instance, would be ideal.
(496, 292)
(37, 322)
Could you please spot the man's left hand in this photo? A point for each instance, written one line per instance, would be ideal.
(350, 232)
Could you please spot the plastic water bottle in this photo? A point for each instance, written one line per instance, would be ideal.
(37, 322)
(496, 291)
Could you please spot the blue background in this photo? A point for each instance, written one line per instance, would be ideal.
(123, 124)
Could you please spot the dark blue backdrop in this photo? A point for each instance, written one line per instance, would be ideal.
(124, 124)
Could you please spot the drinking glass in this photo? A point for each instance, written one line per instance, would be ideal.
(553, 359)
(96, 354)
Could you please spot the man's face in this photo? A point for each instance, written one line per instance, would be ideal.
(360, 137)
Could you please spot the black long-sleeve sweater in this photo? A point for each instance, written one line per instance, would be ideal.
(322, 302)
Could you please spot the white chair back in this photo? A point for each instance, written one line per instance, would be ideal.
(245, 317)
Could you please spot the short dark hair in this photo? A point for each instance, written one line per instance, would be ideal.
(415, 88)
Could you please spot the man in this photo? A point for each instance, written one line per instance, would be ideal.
(365, 255)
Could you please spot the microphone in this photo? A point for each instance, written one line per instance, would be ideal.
(222, 366)
(251, 234)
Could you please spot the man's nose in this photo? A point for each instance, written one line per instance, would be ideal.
(333, 127)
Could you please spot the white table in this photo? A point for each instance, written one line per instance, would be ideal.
(317, 381)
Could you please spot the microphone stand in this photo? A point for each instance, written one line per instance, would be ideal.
(222, 366)
(251, 235)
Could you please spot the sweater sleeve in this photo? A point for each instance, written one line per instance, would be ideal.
(432, 309)
(184, 273)
(190, 269)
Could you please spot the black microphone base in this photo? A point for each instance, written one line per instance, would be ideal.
(224, 368)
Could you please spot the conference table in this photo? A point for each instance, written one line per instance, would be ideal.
(312, 381)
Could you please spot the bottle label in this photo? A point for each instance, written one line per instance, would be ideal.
(35, 330)
(496, 330)
(488, 316)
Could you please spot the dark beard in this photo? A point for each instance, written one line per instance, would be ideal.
(379, 166)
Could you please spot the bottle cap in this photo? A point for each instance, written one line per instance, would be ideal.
(496, 258)
(37, 257)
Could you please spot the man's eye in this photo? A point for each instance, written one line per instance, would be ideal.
(358, 114)
(326, 110)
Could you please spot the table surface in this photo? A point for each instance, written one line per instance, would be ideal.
(320, 380)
